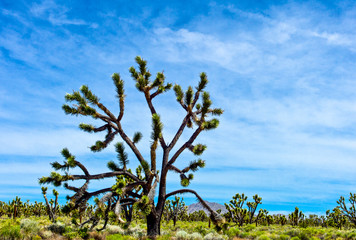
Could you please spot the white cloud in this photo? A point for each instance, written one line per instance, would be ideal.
(54, 13)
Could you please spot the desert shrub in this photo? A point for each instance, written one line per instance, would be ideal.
(214, 236)
(57, 228)
(351, 235)
(164, 237)
(10, 231)
(244, 235)
(29, 227)
(233, 232)
(181, 235)
(303, 236)
(120, 237)
(249, 228)
(263, 237)
(283, 237)
(83, 233)
(70, 235)
(293, 232)
(111, 229)
(136, 232)
(195, 236)
(46, 234)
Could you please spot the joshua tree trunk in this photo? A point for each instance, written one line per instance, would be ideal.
(153, 225)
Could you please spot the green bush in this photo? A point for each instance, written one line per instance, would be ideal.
(57, 228)
(195, 236)
(181, 235)
(283, 237)
(263, 237)
(295, 238)
(233, 232)
(214, 236)
(10, 232)
(249, 228)
(29, 227)
(119, 237)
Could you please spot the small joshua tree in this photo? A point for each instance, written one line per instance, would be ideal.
(236, 213)
(296, 216)
(336, 218)
(349, 212)
(52, 205)
(252, 206)
(138, 189)
(175, 209)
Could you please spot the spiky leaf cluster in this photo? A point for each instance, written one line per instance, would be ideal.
(194, 165)
(119, 185)
(198, 149)
(121, 154)
(142, 78)
(119, 84)
(143, 205)
(98, 146)
(55, 178)
(137, 137)
(157, 127)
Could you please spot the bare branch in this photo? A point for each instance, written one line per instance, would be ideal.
(185, 145)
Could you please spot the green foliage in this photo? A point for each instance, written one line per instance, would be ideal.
(113, 166)
(29, 227)
(99, 145)
(137, 137)
(143, 205)
(179, 93)
(86, 127)
(121, 154)
(120, 184)
(10, 231)
(89, 95)
(203, 81)
(198, 149)
(119, 84)
(189, 96)
(212, 124)
(296, 216)
(157, 127)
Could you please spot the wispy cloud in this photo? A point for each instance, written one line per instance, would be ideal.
(54, 13)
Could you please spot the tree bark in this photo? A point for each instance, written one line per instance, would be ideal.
(153, 225)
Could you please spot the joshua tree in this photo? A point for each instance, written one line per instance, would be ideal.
(350, 212)
(139, 189)
(52, 205)
(175, 208)
(252, 206)
(296, 216)
(236, 213)
(336, 218)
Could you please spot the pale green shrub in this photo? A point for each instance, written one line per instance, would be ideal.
(112, 229)
(263, 237)
(195, 236)
(214, 236)
(181, 235)
(29, 227)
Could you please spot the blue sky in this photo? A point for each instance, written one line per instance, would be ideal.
(283, 71)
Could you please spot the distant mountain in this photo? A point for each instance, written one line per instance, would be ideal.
(197, 206)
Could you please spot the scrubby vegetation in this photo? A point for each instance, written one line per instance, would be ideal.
(24, 220)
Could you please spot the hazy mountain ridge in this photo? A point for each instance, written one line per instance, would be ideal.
(197, 206)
